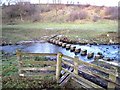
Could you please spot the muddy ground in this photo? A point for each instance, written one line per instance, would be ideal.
(107, 38)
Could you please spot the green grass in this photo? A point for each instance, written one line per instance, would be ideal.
(28, 31)
(11, 79)
(9, 66)
(100, 26)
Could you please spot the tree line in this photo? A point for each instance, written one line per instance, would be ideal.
(26, 11)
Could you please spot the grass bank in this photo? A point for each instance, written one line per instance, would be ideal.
(11, 79)
(104, 25)
(29, 31)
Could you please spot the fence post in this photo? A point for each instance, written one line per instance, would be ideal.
(58, 66)
(76, 59)
(112, 78)
(19, 58)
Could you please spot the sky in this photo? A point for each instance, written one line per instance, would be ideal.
(92, 2)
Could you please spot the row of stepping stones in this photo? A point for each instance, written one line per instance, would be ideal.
(78, 50)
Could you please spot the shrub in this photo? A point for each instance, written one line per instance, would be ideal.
(35, 17)
(119, 13)
(75, 15)
(83, 15)
(95, 18)
(45, 8)
(112, 12)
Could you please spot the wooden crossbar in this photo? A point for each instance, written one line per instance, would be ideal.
(38, 54)
(83, 80)
(41, 62)
(41, 69)
(96, 67)
(76, 62)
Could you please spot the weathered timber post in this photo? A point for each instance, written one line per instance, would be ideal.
(96, 60)
(19, 58)
(112, 78)
(58, 66)
(76, 59)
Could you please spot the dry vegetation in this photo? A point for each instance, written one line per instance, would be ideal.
(57, 13)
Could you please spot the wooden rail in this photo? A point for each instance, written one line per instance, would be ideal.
(112, 73)
(77, 62)
(48, 65)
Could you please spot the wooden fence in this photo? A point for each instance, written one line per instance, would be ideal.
(49, 65)
(74, 63)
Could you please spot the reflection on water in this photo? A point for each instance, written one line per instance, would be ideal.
(47, 48)
(111, 51)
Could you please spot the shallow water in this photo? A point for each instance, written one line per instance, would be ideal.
(111, 51)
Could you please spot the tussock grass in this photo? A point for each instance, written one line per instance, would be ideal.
(11, 79)
(31, 31)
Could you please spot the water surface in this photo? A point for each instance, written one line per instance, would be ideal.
(111, 51)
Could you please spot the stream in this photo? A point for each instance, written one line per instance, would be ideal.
(111, 51)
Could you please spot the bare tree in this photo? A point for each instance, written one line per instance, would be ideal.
(67, 2)
(54, 1)
(59, 1)
(8, 1)
(0, 2)
(39, 2)
(21, 7)
(47, 1)
(112, 12)
(12, 1)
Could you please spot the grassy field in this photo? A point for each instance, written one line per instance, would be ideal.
(100, 25)
(31, 31)
(11, 79)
